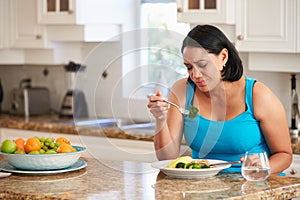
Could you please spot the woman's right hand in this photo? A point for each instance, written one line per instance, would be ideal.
(158, 107)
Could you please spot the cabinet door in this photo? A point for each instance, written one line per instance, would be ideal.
(266, 25)
(25, 32)
(4, 24)
(298, 26)
(56, 11)
(206, 11)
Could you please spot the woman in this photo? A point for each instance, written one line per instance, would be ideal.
(236, 113)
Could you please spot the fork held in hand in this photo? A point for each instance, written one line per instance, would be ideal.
(181, 109)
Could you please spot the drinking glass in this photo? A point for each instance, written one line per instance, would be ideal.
(256, 166)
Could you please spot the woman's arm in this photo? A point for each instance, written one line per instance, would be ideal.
(169, 122)
(271, 114)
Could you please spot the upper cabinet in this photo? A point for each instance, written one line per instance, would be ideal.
(56, 11)
(266, 26)
(298, 26)
(88, 20)
(24, 31)
(83, 11)
(56, 31)
(269, 31)
(206, 11)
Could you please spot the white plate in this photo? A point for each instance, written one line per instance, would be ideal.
(190, 173)
(4, 174)
(5, 166)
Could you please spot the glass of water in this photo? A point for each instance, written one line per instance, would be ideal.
(256, 166)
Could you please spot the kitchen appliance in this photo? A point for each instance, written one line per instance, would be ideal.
(74, 104)
(294, 131)
(27, 100)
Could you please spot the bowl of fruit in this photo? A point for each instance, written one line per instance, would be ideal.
(41, 153)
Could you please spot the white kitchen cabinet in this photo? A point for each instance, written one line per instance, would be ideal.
(298, 25)
(206, 11)
(84, 20)
(56, 11)
(294, 169)
(24, 30)
(4, 24)
(268, 30)
(267, 26)
(82, 11)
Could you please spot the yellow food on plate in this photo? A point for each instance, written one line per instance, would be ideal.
(186, 162)
(183, 159)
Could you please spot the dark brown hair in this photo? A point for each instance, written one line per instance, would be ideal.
(214, 40)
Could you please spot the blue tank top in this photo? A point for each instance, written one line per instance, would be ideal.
(224, 140)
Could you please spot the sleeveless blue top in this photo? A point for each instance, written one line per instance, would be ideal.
(224, 140)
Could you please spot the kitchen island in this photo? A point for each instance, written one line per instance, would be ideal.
(118, 179)
(136, 180)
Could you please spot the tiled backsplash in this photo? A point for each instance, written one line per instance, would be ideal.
(54, 81)
(279, 83)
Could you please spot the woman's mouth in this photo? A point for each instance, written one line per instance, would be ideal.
(201, 83)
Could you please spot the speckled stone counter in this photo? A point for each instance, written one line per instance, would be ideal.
(55, 124)
(133, 180)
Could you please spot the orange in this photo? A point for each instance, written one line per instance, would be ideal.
(62, 140)
(20, 142)
(65, 148)
(32, 144)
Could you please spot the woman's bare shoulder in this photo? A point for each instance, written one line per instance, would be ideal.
(262, 92)
(264, 100)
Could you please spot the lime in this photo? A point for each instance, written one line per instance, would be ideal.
(8, 146)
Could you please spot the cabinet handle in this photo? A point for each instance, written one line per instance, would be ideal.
(70, 12)
(240, 37)
(38, 36)
(179, 10)
(293, 172)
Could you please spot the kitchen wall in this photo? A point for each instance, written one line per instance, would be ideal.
(280, 83)
(54, 80)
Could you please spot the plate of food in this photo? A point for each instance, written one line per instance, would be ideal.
(186, 167)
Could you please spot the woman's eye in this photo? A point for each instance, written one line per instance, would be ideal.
(201, 65)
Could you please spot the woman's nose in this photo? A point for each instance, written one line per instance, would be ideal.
(196, 72)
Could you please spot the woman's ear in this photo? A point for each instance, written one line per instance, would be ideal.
(224, 55)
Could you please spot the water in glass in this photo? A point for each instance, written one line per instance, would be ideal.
(256, 166)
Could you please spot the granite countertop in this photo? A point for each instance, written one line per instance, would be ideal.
(133, 180)
(55, 124)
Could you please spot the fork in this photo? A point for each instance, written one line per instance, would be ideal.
(181, 109)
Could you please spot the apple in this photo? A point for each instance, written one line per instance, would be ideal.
(8, 146)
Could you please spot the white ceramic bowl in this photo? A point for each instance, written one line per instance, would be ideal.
(44, 161)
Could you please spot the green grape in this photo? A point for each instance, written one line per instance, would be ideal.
(42, 139)
(47, 143)
(42, 151)
(55, 148)
(51, 151)
(52, 144)
(49, 140)
(45, 148)
(42, 144)
(57, 144)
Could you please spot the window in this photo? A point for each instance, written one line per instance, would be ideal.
(162, 60)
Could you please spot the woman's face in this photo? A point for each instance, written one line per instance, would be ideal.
(203, 68)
